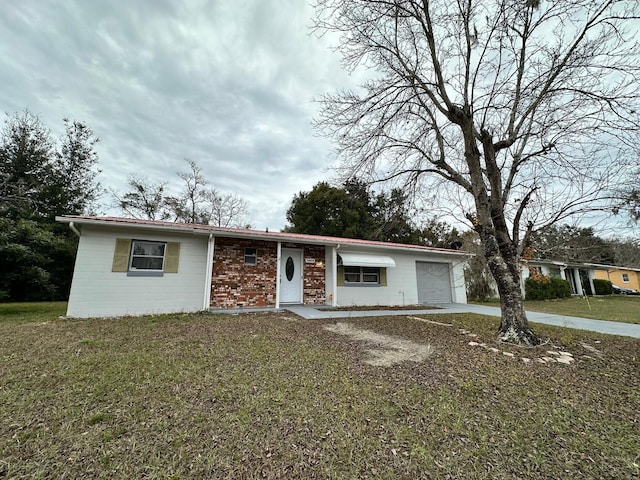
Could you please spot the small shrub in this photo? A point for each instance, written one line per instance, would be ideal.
(602, 287)
(560, 288)
(537, 288)
(545, 288)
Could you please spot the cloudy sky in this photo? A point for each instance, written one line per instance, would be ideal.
(228, 84)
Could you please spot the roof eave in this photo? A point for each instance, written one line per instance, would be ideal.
(197, 229)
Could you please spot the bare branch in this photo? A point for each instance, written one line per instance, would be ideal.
(528, 112)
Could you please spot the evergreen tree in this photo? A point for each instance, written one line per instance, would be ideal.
(332, 211)
(39, 179)
(354, 211)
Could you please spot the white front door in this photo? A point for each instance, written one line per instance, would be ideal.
(291, 276)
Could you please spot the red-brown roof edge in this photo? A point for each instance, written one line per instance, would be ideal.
(229, 232)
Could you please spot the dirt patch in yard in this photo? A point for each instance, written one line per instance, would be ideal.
(391, 351)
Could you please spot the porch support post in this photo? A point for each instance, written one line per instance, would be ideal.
(591, 275)
(576, 275)
(206, 301)
(334, 276)
(278, 262)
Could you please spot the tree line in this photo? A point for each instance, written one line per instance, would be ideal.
(42, 176)
(353, 210)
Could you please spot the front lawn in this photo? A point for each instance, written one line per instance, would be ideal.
(275, 396)
(618, 308)
(31, 312)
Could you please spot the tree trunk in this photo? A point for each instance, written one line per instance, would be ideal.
(514, 326)
(500, 250)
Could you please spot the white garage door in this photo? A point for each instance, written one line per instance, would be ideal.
(434, 282)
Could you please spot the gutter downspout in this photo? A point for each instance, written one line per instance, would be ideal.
(206, 300)
(74, 229)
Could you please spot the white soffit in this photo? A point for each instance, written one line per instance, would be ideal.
(366, 260)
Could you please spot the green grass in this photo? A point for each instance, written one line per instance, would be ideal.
(32, 312)
(615, 308)
(271, 396)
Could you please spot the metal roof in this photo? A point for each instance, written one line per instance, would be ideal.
(199, 229)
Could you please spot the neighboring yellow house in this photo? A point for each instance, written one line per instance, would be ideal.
(581, 275)
(620, 276)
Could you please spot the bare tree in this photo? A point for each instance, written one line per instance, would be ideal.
(630, 202)
(524, 111)
(186, 207)
(225, 209)
(144, 200)
(196, 203)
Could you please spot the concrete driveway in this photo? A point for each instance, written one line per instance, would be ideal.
(600, 326)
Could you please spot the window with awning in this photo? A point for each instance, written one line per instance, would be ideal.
(365, 260)
(363, 269)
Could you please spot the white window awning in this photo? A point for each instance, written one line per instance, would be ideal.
(366, 260)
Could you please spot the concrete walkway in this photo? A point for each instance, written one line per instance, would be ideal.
(600, 326)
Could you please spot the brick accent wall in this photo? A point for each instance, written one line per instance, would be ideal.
(314, 275)
(234, 284)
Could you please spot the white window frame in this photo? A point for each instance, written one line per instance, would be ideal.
(625, 278)
(362, 273)
(555, 273)
(132, 255)
(251, 258)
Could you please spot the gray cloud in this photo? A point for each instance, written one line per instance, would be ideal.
(226, 84)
